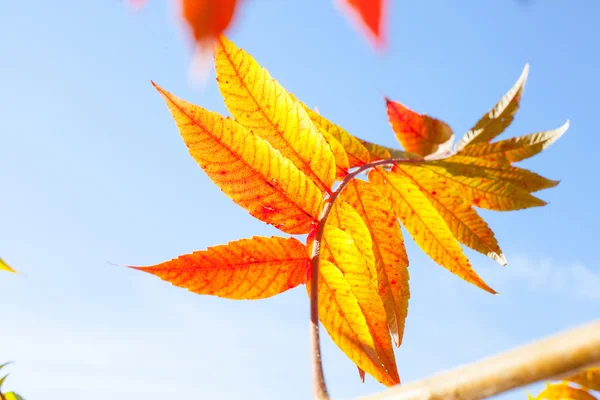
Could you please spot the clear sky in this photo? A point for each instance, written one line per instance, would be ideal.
(93, 171)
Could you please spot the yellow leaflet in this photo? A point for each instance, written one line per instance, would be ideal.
(262, 105)
(481, 188)
(357, 153)
(424, 223)
(519, 177)
(498, 118)
(464, 222)
(388, 249)
(347, 244)
(515, 149)
(344, 320)
(5, 267)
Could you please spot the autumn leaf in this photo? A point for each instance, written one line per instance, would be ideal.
(498, 118)
(12, 396)
(207, 19)
(358, 275)
(424, 223)
(339, 152)
(368, 14)
(462, 220)
(387, 244)
(520, 177)
(562, 391)
(262, 105)
(482, 189)
(247, 168)
(589, 378)
(348, 245)
(5, 267)
(515, 149)
(357, 153)
(379, 152)
(417, 133)
(245, 269)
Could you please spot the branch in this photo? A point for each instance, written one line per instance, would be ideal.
(319, 386)
(555, 357)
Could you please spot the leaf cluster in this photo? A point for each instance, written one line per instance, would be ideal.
(284, 162)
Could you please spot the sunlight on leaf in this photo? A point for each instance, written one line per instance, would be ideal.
(247, 168)
(388, 248)
(424, 223)
(262, 105)
(498, 118)
(515, 149)
(417, 133)
(245, 269)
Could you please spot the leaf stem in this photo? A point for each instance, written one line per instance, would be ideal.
(319, 386)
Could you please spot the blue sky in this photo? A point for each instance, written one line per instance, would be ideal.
(93, 171)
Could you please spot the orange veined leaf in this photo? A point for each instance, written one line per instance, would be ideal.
(5, 267)
(207, 19)
(515, 149)
(247, 168)
(482, 189)
(369, 14)
(424, 223)
(245, 269)
(590, 378)
(344, 320)
(336, 249)
(261, 104)
(417, 133)
(357, 154)
(464, 222)
(360, 276)
(391, 259)
(562, 391)
(498, 118)
(519, 177)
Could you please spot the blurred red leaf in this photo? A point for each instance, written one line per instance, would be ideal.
(369, 14)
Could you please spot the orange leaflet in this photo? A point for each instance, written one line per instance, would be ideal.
(391, 260)
(370, 15)
(247, 168)
(207, 19)
(245, 269)
(417, 133)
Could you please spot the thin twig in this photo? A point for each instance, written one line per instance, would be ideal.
(555, 357)
(319, 386)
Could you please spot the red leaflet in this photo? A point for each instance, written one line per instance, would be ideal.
(417, 133)
(368, 13)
